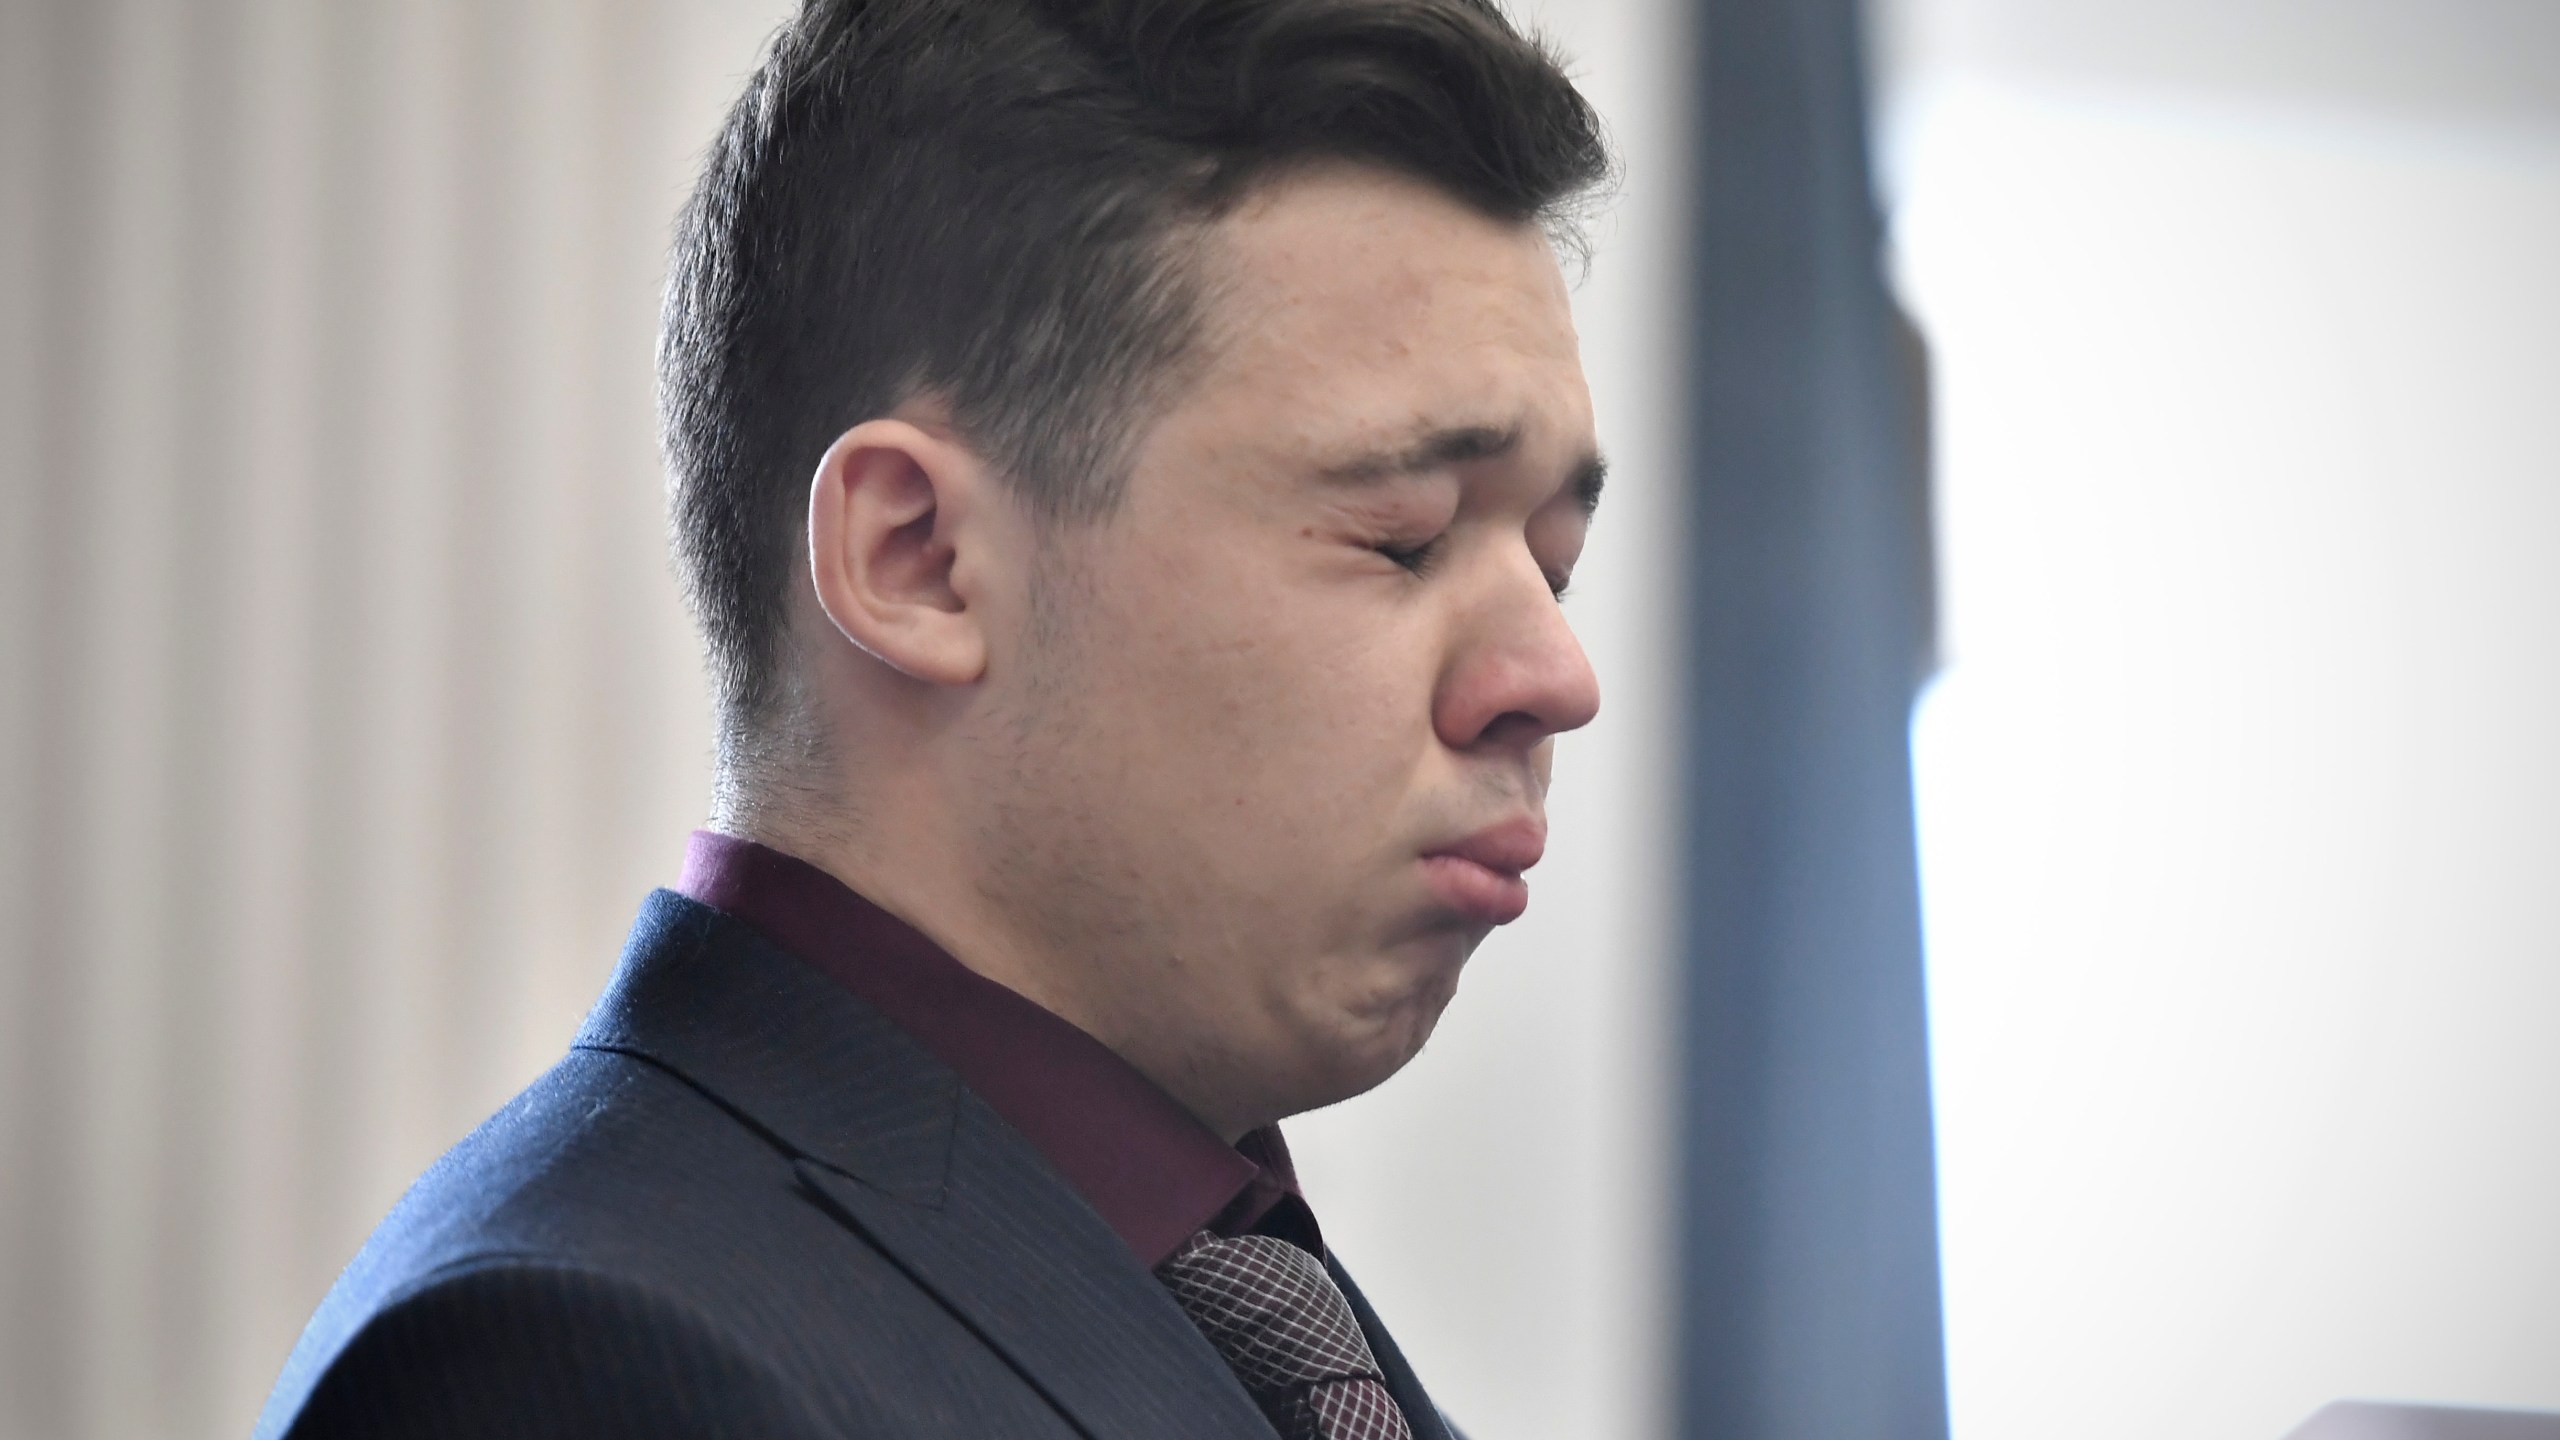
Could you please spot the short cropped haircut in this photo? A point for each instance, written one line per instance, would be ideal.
(986, 201)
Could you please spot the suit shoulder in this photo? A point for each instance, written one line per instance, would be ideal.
(516, 1347)
(606, 1166)
(553, 1173)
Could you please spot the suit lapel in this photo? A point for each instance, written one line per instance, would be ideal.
(784, 1049)
(892, 1143)
(1046, 1283)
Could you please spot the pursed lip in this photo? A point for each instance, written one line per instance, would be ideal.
(1505, 849)
(1479, 876)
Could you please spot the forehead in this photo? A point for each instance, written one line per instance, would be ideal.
(1347, 304)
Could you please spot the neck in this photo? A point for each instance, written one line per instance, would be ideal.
(902, 852)
(910, 866)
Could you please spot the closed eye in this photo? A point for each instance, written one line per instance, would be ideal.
(1415, 559)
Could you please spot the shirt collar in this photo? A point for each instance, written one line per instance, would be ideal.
(1148, 1167)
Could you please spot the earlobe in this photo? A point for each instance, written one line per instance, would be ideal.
(889, 513)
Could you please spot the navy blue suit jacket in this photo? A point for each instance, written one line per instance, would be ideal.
(746, 1204)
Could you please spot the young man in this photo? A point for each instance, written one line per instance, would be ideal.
(1125, 456)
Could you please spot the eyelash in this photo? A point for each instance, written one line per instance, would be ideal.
(1416, 561)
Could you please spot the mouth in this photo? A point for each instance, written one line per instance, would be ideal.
(1479, 876)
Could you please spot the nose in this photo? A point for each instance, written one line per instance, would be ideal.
(1517, 676)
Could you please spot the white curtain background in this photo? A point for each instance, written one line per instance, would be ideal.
(347, 708)
(2239, 802)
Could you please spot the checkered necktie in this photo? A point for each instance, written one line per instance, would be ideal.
(1285, 1327)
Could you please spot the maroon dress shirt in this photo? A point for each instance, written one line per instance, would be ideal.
(1148, 1167)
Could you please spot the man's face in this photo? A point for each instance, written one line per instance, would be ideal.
(1274, 740)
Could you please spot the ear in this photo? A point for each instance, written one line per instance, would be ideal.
(890, 512)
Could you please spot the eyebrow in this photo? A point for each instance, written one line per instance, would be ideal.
(1457, 445)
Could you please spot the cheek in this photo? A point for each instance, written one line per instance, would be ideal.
(1261, 744)
(1281, 700)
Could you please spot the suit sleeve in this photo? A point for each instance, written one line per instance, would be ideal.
(516, 1351)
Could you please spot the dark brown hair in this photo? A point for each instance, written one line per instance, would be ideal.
(984, 199)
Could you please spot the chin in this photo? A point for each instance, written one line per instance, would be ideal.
(1368, 1044)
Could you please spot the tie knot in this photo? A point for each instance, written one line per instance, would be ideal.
(1270, 1309)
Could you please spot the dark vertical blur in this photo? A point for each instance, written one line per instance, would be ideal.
(1810, 1282)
